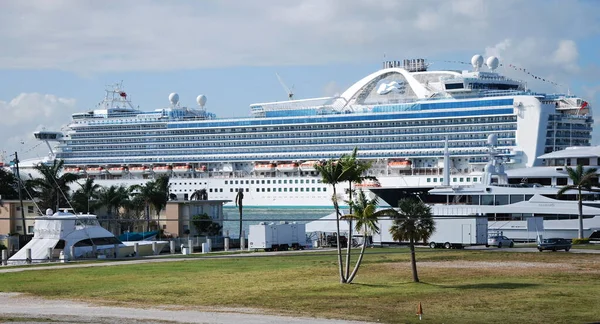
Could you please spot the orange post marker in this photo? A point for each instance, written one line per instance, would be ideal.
(420, 310)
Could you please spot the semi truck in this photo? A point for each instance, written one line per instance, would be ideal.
(277, 237)
(450, 232)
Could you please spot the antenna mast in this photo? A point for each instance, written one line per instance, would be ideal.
(289, 91)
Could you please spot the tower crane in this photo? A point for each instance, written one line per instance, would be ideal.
(289, 91)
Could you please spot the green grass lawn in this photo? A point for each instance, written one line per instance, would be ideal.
(457, 286)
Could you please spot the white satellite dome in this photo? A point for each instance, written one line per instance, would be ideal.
(174, 98)
(492, 139)
(492, 62)
(201, 100)
(477, 61)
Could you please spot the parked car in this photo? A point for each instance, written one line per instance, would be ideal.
(554, 244)
(500, 241)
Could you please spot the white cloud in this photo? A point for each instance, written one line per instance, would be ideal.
(110, 35)
(30, 112)
(332, 89)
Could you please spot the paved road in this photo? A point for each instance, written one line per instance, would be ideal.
(39, 310)
(530, 249)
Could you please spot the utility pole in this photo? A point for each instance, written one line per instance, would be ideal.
(20, 193)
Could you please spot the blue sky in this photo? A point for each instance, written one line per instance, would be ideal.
(57, 56)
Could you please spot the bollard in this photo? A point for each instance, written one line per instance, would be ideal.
(243, 241)
(204, 248)
(116, 249)
(172, 246)
(50, 252)
(226, 244)
(209, 243)
(191, 246)
(4, 257)
(28, 256)
(61, 257)
(136, 250)
(154, 248)
(72, 253)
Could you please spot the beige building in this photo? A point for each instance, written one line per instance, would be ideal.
(175, 218)
(10, 217)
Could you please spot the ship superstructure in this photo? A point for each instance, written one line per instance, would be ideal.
(397, 117)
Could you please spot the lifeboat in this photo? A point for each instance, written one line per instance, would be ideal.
(268, 167)
(117, 170)
(400, 165)
(182, 168)
(287, 167)
(74, 170)
(139, 169)
(201, 168)
(308, 165)
(95, 170)
(368, 184)
(162, 168)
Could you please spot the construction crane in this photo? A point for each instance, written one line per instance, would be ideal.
(289, 91)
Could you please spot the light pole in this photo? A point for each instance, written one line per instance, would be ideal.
(20, 193)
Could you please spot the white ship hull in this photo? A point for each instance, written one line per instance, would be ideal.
(297, 192)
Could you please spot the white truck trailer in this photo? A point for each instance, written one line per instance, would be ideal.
(450, 232)
(277, 237)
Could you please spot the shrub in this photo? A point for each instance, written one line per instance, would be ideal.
(2, 247)
(581, 241)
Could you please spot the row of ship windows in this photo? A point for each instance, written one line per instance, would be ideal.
(284, 181)
(296, 189)
(215, 152)
(331, 154)
(568, 126)
(479, 133)
(326, 119)
(461, 179)
(316, 126)
(206, 144)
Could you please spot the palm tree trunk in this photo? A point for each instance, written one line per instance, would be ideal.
(580, 216)
(360, 257)
(240, 224)
(339, 247)
(413, 260)
(349, 247)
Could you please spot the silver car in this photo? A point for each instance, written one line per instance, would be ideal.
(500, 241)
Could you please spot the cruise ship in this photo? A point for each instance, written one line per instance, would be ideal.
(397, 117)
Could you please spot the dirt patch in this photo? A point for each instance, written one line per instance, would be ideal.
(23, 308)
(495, 265)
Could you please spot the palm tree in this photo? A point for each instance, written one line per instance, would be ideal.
(53, 186)
(582, 180)
(160, 195)
(333, 173)
(413, 222)
(155, 193)
(8, 185)
(353, 173)
(82, 197)
(366, 215)
(113, 197)
(134, 210)
(200, 194)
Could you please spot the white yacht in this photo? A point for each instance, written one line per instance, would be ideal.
(397, 117)
(59, 232)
